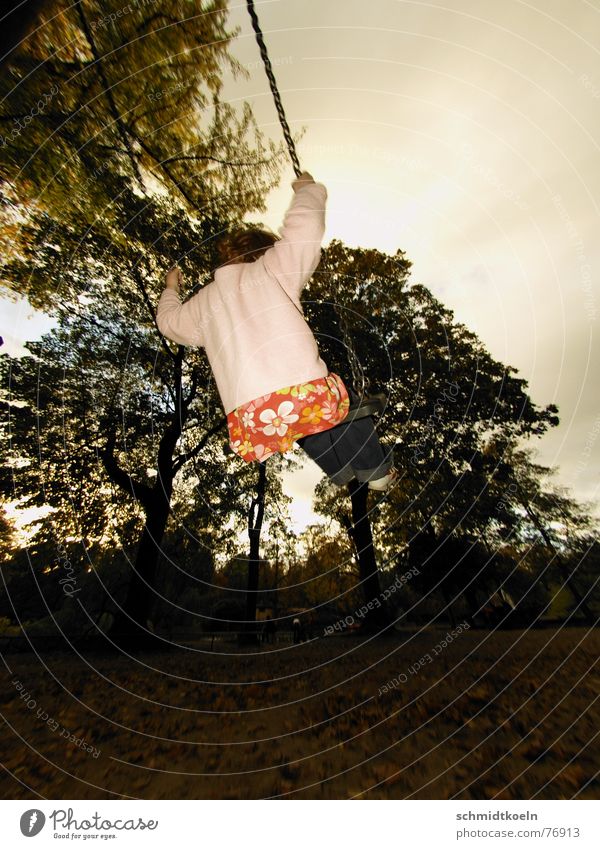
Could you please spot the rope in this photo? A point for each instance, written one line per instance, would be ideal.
(274, 90)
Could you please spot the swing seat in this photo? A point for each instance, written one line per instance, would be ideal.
(364, 407)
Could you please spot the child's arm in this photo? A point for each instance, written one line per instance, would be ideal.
(179, 322)
(296, 255)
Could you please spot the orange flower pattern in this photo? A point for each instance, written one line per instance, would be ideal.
(272, 423)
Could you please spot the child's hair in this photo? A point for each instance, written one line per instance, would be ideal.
(244, 245)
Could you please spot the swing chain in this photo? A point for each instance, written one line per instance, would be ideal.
(274, 90)
(360, 382)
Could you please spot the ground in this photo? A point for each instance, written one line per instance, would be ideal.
(490, 715)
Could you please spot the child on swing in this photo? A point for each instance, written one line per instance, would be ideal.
(273, 384)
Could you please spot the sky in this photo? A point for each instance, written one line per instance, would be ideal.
(464, 134)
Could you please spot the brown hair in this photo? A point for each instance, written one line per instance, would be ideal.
(244, 245)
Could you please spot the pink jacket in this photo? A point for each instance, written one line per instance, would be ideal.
(249, 318)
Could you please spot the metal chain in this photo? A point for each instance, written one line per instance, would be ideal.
(274, 90)
(360, 382)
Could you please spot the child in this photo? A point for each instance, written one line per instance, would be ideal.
(273, 384)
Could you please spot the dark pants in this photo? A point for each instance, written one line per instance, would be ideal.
(349, 450)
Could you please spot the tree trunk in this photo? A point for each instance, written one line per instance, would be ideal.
(140, 593)
(131, 621)
(255, 520)
(362, 537)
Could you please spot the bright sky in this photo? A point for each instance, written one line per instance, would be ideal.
(466, 135)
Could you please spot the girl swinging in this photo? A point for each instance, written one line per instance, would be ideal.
(273, 384)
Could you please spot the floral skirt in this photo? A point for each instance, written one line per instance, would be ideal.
(273, 422)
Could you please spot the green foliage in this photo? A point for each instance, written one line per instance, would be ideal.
(122, 421)
(97, 93)
(8, 535)
(456, 418)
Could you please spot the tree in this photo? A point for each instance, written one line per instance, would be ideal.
(523, 491)
(114, 134)
(116, 406)
(101, 89)
(117, 403)
(123, 104)
(447, 400)
(138, 410)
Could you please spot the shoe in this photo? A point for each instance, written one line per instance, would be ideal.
(381, 484)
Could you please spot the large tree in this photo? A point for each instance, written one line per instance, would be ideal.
(119, 158)
(449, 402)
(112, 399)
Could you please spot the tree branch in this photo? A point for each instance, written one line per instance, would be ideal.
(193, 389)
(200, 158)
(140, 491)
(184, 193)
(182, 459)
(145, 25)
(137, 277)
(110, 99)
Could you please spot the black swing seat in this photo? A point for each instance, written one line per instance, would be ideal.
(361, 408)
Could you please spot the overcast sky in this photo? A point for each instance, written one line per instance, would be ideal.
(466, 135)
